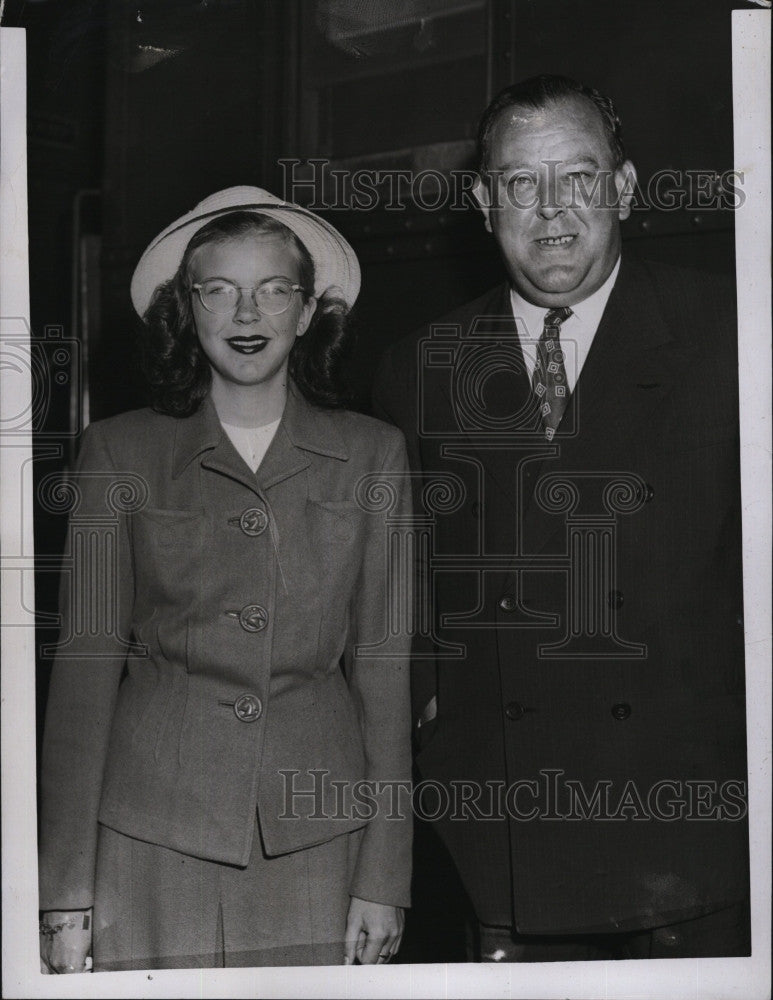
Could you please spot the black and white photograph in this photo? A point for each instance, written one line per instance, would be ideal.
(385, 466)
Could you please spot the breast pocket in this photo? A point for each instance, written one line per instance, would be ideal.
(335, 537)
(339, 517)
(169, 553)
(335, 529)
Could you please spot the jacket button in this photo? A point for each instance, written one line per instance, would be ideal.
(253, 618)
(508, 603)
(475, 508)
(615, 599)
(253, 521)
(248, 708)
(514, 710)
(621, 711)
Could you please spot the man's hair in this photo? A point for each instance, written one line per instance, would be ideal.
(175, 366)
(536, 93)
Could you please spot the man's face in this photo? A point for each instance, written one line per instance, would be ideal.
(553, 200)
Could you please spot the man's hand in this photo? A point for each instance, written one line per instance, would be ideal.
(373, 932)
(65, 940)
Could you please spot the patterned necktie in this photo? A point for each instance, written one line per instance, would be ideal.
(549, 378)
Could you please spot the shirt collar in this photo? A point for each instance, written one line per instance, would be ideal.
(589, 311)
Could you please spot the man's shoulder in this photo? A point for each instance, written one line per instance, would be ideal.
(683, 290)
(697, 307)
(688, 277)
(494, 302)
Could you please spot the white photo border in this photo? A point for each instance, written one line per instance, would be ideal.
(685, 979)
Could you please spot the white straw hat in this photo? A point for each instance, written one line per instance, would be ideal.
(335, 263)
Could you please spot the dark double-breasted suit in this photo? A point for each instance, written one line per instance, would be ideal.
(197, 681)
(586, 646)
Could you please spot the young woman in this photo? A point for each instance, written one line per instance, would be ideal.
(221, 755)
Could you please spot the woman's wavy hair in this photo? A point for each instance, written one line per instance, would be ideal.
(174, 364)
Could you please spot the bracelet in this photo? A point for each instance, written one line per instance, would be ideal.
(48, 930)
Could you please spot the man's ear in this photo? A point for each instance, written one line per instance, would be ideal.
(625, 185)
(482, 192)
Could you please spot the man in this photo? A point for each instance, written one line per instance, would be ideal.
(578, 688)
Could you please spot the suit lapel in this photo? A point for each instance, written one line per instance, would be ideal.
(632, 346)
(487, 406)
(633, 364)
(488, 402)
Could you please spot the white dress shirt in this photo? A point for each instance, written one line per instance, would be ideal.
(577, 332)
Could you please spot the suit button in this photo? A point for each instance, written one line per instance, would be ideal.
(253, 521)
(615, 599)
(508, 603)
(621, 711)
(475, 508)
(252, 617)
(248, 708)
(514, 710)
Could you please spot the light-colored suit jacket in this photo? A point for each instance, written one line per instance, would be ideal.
(207, 612)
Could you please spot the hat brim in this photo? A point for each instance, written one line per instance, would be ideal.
(336, 266)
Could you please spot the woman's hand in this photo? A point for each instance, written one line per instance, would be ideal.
(65, 940)
(373, 932)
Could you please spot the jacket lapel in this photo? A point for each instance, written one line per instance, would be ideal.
(302, 430)
(201, 436)
(631, 350)
(491, 418)
(480, 397)
(633, 364)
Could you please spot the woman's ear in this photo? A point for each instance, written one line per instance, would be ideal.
(307, 311)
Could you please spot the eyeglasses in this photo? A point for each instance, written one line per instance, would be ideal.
(272, 297)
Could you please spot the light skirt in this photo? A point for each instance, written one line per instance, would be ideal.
(157, 909)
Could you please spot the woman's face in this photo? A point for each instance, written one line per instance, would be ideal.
(245, 347)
